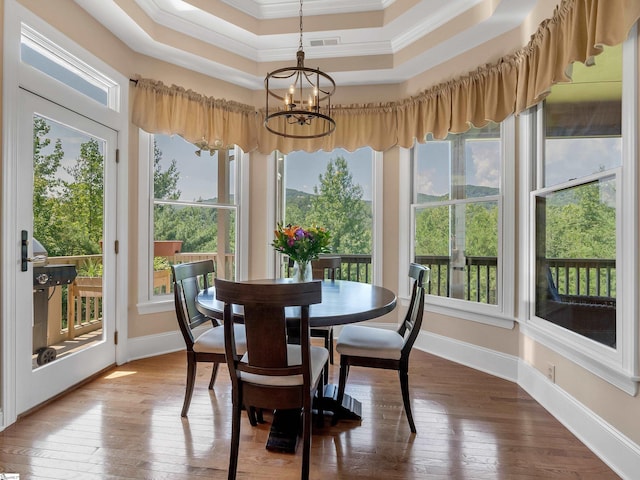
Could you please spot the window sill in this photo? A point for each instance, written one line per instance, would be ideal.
(160, 305)
(494, 319)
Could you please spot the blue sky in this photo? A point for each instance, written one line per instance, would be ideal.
(303, 169)
(198, 174)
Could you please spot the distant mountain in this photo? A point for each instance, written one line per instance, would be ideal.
(472, 191)
(293, 195)
(303, 199)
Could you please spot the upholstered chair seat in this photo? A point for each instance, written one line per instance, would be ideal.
(319, 357)
(362, 341)
(212, 340)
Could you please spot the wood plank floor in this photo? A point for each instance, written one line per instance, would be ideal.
(127, 425)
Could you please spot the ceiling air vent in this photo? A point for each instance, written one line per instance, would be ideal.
(324, 42)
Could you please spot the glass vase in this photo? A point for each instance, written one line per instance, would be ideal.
(302, 271)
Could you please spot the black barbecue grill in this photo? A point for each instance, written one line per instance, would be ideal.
(45, 279)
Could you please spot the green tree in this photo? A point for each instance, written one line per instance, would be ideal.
(432, 231)
(197, 227)
(82, 200)
(581, 223)
(46, 221)
(165, 182)
(481, 237)
(338, 206)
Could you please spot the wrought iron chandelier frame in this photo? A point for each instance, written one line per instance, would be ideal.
(296, 110)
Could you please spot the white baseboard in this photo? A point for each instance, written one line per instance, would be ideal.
(489, 361)
(615, 449)
(152, 345)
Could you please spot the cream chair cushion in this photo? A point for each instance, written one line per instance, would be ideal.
(361, 341)
(319, 356)
(212, 341)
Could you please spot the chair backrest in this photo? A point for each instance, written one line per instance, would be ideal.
(410, 327)
(266, 325)
(322, 264)
(188, 280)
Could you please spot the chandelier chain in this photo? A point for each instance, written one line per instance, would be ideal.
(300, 46)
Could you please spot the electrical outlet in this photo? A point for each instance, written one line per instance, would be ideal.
(551, 372)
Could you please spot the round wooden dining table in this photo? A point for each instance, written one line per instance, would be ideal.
(343, 302)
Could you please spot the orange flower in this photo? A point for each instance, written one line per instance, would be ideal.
(290, 230)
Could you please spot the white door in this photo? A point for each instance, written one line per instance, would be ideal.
(65, 305)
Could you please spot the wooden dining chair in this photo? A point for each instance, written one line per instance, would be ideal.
(208, 346)
(364, 346)
(323, 268)
(272, 374)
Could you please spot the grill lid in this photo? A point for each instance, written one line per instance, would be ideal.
(38, 249)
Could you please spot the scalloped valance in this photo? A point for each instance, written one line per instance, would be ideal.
(575, 33)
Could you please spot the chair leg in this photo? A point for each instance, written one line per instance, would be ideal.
(251, 413)
(191, 378)
(214, 374)
(235, 439)
(325, 374)
(320, 403)
(329, 345)
(306, 442)
(404, 385)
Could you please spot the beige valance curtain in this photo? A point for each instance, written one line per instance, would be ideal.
(158, 108)
(575, 33)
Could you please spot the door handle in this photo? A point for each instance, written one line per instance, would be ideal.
(24, 249)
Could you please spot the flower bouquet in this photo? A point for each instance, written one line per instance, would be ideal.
(301, 245)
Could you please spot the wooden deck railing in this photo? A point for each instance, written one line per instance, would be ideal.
(576, 279)
(80, 304)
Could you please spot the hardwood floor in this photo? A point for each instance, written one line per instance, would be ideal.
(127, 425)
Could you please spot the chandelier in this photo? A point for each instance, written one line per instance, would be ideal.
(204, 146)
(304, 111)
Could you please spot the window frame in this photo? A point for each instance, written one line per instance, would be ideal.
(148, 302)
(502, 313)
(617, 366)
(69, 62)
(377, 182)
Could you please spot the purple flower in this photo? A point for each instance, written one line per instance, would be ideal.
(300, 233)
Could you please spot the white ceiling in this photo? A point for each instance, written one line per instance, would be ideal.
(362, 41)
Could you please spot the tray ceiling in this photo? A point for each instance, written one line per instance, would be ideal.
(358, 42)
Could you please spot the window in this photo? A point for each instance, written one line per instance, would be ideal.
(457, 215)
(194, 208)
(48, 58)
(576, 204)
(333, 190)
(582, 280)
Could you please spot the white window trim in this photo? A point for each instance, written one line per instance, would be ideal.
(377, 196)
(620, 367)
(146, 302)
(502, 314)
